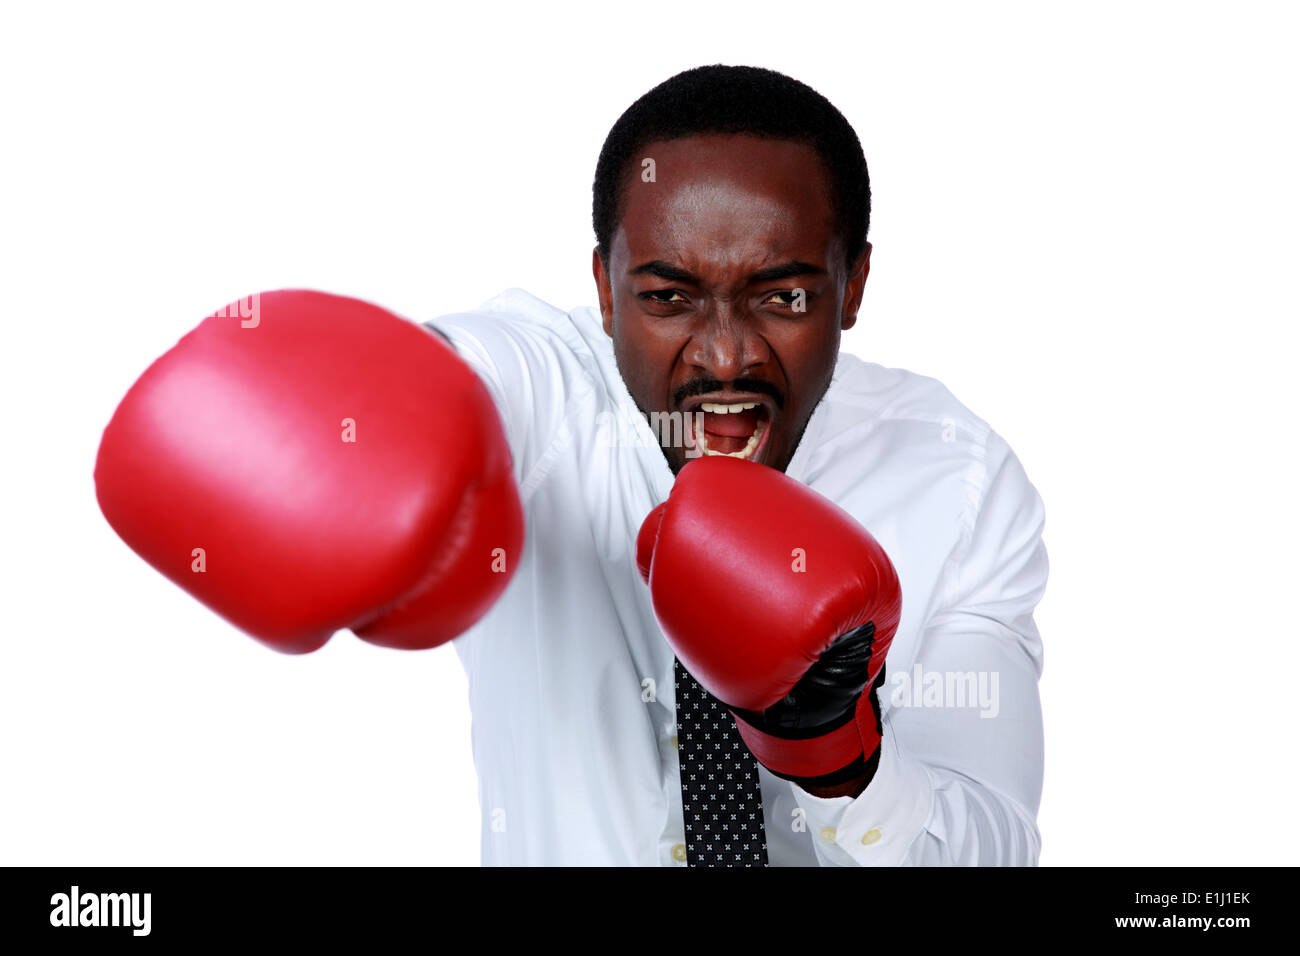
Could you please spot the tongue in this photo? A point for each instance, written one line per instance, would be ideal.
(737, 425)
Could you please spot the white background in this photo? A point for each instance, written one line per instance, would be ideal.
(1085, 224)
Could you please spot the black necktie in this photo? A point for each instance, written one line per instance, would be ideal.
(721, 799)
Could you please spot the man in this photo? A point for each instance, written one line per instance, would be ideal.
(592, 571)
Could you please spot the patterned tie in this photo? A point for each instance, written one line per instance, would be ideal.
(721, 799)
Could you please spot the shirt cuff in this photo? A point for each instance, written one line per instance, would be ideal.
(879, 826)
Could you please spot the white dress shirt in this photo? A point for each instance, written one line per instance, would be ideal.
(571, 679)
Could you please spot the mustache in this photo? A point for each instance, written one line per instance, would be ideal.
(704, 386)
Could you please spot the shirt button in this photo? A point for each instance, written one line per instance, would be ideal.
(674, 741)
(828, 834)
(871, 836)
(679, 852)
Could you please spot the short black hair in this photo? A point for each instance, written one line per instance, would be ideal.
(736, 99)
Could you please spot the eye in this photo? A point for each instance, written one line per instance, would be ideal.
(790, 298)
(663, 296)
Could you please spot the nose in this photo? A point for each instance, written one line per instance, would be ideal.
(726, 345)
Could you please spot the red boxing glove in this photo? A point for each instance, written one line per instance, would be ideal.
(312, 464)
(783, 607)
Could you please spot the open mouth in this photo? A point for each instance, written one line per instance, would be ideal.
(736, 429)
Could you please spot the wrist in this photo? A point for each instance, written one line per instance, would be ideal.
(830, 755)
(838, 758)
(853, 787)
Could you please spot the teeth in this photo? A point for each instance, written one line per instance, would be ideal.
(745, 452)
(727, 409)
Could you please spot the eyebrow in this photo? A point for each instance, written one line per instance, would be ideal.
(671, 273)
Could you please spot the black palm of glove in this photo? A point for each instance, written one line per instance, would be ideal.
(825, 698)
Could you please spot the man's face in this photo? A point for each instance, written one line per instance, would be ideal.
(700, 292)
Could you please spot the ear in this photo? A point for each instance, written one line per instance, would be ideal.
(603, 293)
(853, 292)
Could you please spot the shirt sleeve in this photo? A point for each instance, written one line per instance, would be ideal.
(532, 370)
(961, 763)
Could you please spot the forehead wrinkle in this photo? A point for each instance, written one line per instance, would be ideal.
(716, 244)
(721, 196)
(724, 223)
